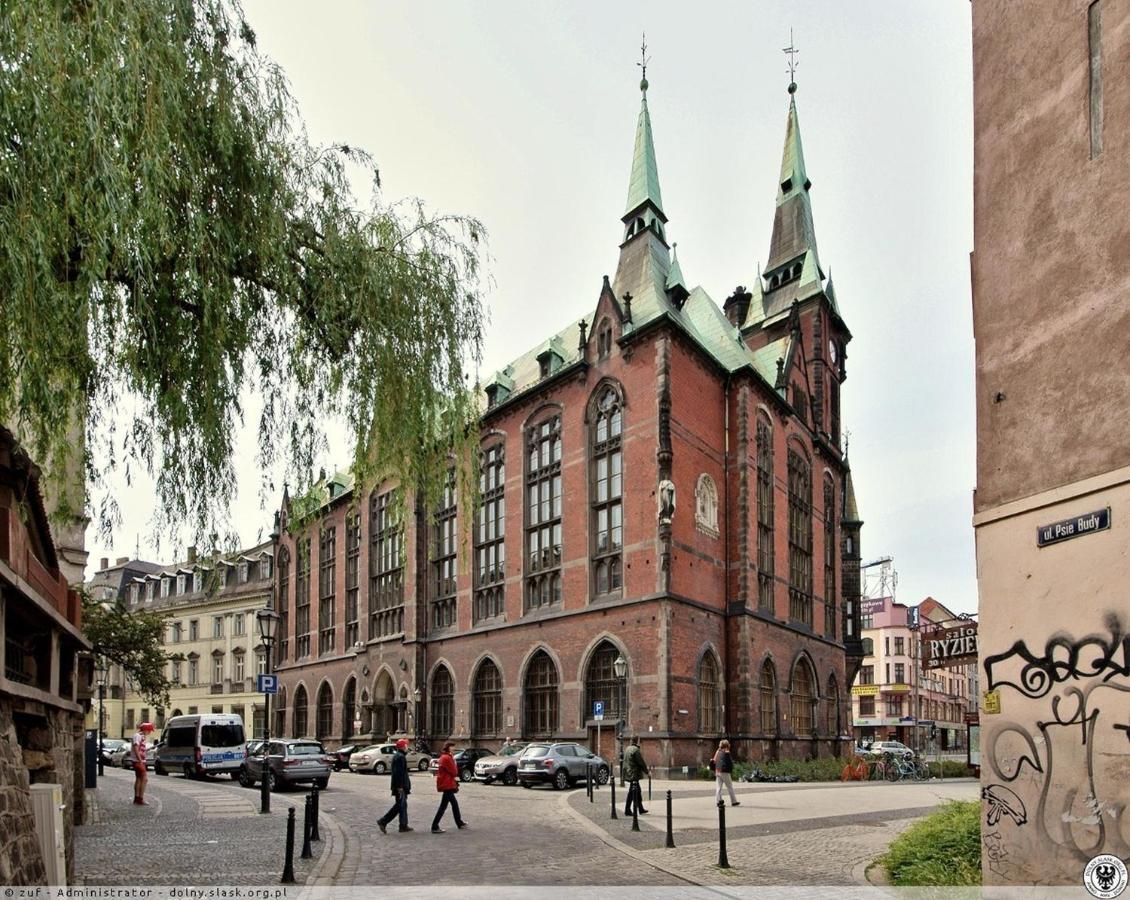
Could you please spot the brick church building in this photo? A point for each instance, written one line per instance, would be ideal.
(663, 494)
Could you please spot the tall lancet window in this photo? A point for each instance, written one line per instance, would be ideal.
(607, 492)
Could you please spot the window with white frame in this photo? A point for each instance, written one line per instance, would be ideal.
(217, 669)
(217, 626)
(237, 667)
(180, 584)
(243, 570)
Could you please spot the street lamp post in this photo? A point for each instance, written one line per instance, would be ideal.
(101, 711)
(417, 695)
(620, 667)
(268, 621)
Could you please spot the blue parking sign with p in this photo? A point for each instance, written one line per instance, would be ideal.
(598, 709)
(268, 684)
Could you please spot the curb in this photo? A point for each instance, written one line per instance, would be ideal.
(325, 871)
(619, 845)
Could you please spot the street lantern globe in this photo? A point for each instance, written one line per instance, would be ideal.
(101, 668)
(417, 695)
(620, 666)
(268, 621)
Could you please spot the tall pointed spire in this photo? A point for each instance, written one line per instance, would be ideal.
(645, 260)
(794, 235)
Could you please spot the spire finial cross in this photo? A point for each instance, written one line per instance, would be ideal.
(791, 52)
(644, 60)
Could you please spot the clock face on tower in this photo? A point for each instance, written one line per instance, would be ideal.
(832, 350)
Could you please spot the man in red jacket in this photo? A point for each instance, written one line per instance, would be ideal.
(447, 783)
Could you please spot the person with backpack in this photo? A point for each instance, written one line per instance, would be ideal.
(447, 783)
(401, 787)
(723, 765)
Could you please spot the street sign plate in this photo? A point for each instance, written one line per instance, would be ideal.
(598, 709)
(267, 684)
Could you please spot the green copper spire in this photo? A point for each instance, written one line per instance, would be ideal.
(794, 235)
(643, 187)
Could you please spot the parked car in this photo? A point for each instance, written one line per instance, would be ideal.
(106, 751)
(878, 748)
(288, 761)
(119, 758)
(377, 758)
(501, 766)
(465, 760)
(341, 756)
(559, 764)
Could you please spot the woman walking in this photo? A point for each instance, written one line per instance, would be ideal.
(447, 784)
(723, 765)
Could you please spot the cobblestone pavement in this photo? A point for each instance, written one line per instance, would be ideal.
(799, 834)
(210, 833)
(191, 833)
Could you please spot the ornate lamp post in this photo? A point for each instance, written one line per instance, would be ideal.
(268, 621)
(101, 670)
(620, 667)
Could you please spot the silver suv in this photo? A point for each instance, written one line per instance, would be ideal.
(502, 766)
(561, 765)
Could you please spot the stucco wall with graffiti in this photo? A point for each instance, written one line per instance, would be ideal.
(1055, 649)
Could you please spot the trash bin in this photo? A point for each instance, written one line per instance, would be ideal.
(90, 758)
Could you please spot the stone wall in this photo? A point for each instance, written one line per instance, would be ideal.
(38, 745)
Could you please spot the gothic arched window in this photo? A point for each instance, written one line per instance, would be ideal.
(601, 683)
(541, 701)
(603, 339)
(607, 492)
(706, 505)
(829, 560)
(802, 699)
(543, 513)
(443, 703)
(301, 712)
(490, 535)
(832, 723)
(283, 646)
(325, 721)
(764, 515)
(800, 539)
(709, 695)
(767, 688)
(348, 709)
(486, 700)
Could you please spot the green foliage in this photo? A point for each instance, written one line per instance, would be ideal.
(944, 849)
(170, 241)
(824, 769)
(133, 640)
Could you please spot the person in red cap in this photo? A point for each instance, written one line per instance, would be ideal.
(401, 787)
(137, 753)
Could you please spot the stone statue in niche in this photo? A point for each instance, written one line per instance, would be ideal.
(706, 505)
(666, 501)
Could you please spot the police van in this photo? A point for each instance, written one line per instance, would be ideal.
(201, 745)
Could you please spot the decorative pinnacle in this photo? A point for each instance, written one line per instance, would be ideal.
(791, 52)
(644, 60)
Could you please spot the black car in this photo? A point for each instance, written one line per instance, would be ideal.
(465, 760)
(342, 754)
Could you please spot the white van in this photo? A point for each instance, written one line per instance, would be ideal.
(202, 745)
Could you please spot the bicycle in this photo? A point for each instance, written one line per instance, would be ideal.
(898, 768)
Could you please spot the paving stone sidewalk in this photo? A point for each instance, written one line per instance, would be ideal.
(801, 834)
(191, 833)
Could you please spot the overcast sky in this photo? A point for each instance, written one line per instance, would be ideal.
(523, 114)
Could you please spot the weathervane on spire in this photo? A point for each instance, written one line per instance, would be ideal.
(644, 60)
(791, 52)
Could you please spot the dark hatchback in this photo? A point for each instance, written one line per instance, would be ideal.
(465, 760)
(342, 754)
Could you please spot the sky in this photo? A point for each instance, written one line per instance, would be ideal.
(523, 115)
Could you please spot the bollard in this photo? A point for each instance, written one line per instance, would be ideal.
(670, 833)
(648, 788)
(635, 803)
(307, 853)
(315, 794)
(612, 784)
(723, 862)
(288, 864)
(588, 780)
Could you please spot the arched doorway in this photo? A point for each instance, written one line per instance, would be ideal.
(384, 707)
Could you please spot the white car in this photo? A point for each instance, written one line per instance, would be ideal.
(897, 748)
(377, 758)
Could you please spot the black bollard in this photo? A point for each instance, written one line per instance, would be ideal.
(670, 833)
(612, 783)
(307, 853)
(588, 780)
(648, 788)
(288, 864)
(316, 794)
(634, 800)
(723, 862)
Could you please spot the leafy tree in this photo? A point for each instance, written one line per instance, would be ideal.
(170, 239)
(133, 640)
